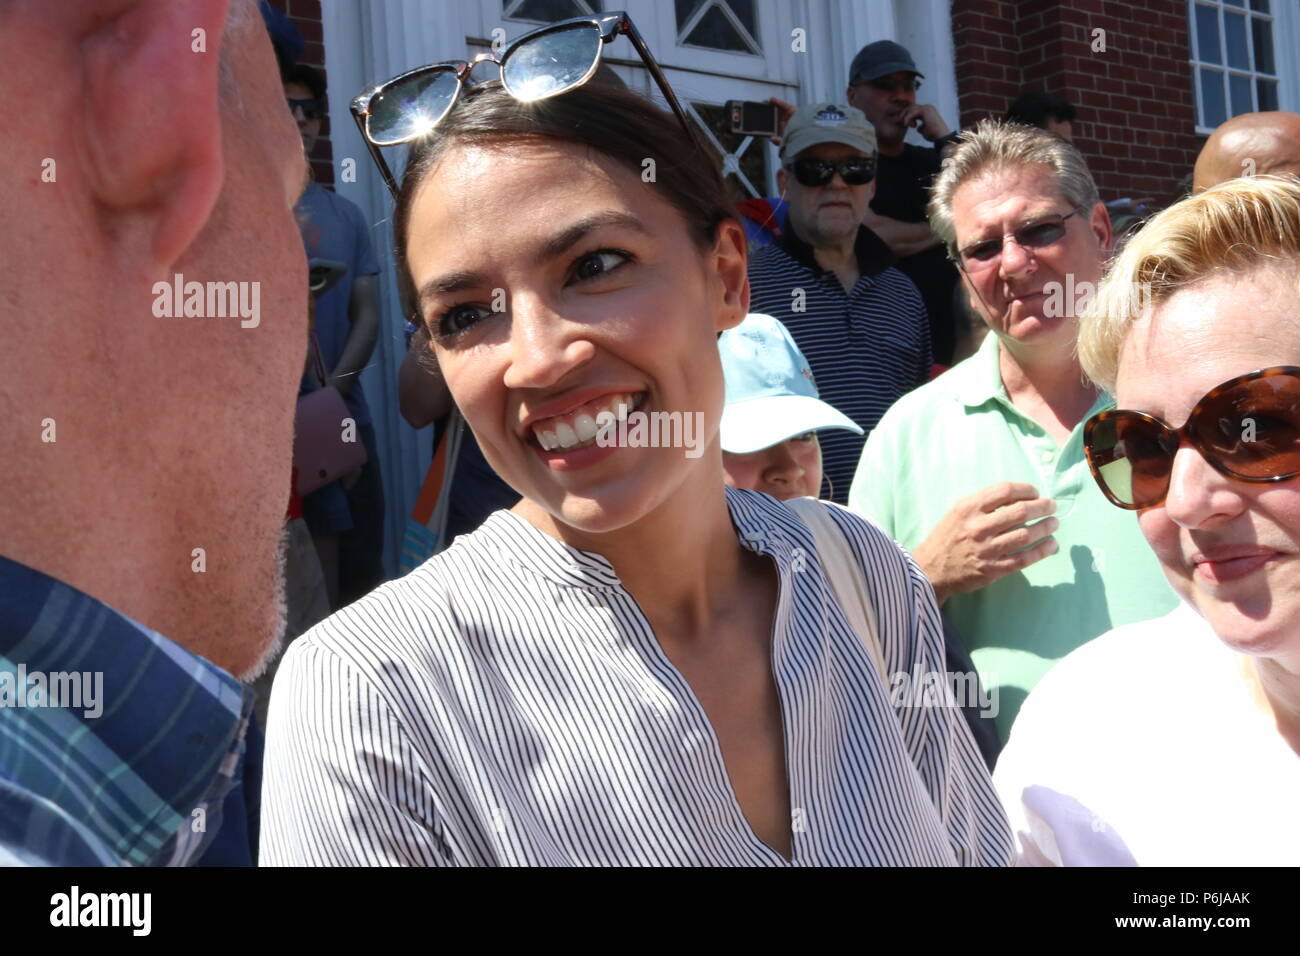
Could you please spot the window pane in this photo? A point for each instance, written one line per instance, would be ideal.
(753, 163)
(1214, 108)
(548, 11)
(684, 10)
(1263, 31)
(1235, 3)
(1207, 34)
(1267, 90)
(715, 30)
(1234, 31)
(1260, 5)
(744, 11)
(1241, 102)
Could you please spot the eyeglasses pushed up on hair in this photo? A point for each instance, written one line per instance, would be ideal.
(538, 65)
(1248, 428)
(1032, 235)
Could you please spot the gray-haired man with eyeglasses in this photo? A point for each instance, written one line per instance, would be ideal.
(981, 473)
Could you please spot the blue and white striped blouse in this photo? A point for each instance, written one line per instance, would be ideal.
(507, 703)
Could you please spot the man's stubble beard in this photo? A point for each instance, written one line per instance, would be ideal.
(274, 640)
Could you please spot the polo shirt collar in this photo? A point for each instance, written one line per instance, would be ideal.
(982, 376)
(981, 379)
(167, 738)
(872, 253)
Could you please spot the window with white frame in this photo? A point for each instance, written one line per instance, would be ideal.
(1233, 65)
(548, 11)
(730, 25)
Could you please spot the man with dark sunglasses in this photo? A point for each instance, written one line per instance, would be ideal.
(831, 280)
(981, 473)
(883, 82)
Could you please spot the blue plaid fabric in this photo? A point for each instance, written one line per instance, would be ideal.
(139, 783)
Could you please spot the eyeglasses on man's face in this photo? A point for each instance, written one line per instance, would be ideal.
(538, 65)
(894, 84)
(1038, 234)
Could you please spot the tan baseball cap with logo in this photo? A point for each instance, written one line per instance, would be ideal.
(827, 123)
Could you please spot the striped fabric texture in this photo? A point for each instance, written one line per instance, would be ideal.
(507, 703)
(866, 348)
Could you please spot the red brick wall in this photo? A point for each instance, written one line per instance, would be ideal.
(305, 15)
(1136, 123)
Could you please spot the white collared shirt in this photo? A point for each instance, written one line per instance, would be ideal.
(1145, 747)
(508, 703)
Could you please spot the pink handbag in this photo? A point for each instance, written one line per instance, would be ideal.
(320, 454)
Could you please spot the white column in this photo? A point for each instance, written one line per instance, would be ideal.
(364, 44)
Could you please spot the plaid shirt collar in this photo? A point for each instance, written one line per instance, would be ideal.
(116, 744)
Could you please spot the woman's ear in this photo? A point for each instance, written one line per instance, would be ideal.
(730, 264)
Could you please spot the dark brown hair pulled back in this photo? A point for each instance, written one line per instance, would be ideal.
(617, 122)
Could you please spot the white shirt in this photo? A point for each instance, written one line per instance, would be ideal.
(508, 703)
(1145, 747)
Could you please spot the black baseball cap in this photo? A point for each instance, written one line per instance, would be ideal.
(880, 59)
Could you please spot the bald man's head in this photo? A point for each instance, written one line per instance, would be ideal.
(1250, 144)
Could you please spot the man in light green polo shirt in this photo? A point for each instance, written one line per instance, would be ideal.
(981, 473)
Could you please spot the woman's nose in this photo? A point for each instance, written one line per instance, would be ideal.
(1198, 495)
(544, 346)
(783, 469)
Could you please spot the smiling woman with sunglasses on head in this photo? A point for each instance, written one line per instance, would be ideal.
(1177, 741)
(624, 669)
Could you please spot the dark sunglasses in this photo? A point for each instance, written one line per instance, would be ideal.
(312, 109)
(1032, 235)
(1248, 428)
(889, 86)
(818, 172)
(538, 65)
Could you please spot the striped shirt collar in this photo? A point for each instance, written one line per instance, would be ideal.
(142, 780)
(873, 255)
(533, 551)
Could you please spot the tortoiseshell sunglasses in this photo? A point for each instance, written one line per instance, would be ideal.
(1248, 428)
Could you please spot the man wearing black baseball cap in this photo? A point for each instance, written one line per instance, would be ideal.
(883, 80)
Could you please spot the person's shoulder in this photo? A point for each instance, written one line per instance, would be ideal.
(872, 544)
(1129, 662)
(928, 155)
(771, 257)
(898, 283)
(413, 614)
(925, 400)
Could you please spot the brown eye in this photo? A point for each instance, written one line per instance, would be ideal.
(597, 264)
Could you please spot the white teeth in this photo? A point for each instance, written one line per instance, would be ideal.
(565, 434)
(585, 426)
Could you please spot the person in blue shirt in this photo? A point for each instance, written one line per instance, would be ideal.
(346, 518)
(148, 451)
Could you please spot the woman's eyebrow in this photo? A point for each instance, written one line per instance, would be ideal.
(452, 282)
(449, 283)
(559, 243)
